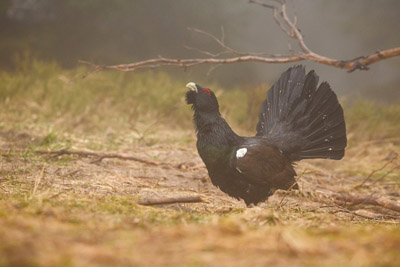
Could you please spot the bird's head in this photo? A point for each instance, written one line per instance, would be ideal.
(202, 99)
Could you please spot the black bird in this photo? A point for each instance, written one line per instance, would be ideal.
(297, 121)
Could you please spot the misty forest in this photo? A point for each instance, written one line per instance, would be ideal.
(199, 133)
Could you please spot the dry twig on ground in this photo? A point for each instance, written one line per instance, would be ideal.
(164, 201)
(353, 200)
(377, 170)
(37, 181)
(291, 187)
(365, 214)
(99, 156)
(287, 25)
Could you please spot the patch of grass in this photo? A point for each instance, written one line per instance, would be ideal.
(61, 100)
(46, 96)
(49, 139)
(367, 120)
(45, 93)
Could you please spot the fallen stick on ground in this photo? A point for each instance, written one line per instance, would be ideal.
(102, 155)
(366, 214)
(99, 156)
(352, 200)
(163, 201)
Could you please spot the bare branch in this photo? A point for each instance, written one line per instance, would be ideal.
(221, 43)
(365, 214)
(290, 188)
(212, 68)
(352, 200)
(100, 156)
(377, 170)
(163, 201)
(222, 34)
(275, 13)
(283, 28)
(295, 33)
(261, 4)
(287, 25)
(204, 52)
(342, 64)
(386, 174)
(218, 41)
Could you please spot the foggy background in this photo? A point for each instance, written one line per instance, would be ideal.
(124, 31)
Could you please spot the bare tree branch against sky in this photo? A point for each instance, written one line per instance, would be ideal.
(287, 25)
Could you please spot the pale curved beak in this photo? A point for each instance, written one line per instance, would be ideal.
(192, 86)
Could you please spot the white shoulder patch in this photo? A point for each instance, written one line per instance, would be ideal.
(241, 152)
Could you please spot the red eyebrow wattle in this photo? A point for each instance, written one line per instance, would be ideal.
(207, 91)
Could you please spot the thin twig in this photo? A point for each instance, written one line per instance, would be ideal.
(352, 200)
(72, 173)
(295, 33)
(386, 174)
(38, 180)
(99, 156)
(220, 42)
(205, 52)
(226, 49)
(164, 201)
(366, 214)
(377, 170)
(222, 34)
(290, 188)
(102, 155)
(211, 69)
(262, 4)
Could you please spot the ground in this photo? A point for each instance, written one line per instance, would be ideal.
(69, 210)
(66, 210)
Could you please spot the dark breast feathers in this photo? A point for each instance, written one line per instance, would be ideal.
(255, 169)
(263, 164)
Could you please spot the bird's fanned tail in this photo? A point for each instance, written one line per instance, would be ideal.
(303, 120)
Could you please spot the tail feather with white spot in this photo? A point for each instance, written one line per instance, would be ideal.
(303, 120)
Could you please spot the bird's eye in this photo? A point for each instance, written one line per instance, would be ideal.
(207, 91)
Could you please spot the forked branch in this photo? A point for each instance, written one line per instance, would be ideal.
(287, 25)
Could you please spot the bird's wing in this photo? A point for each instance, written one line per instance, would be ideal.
(262, 163)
